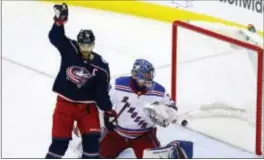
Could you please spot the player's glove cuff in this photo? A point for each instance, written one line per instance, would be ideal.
(110, 119)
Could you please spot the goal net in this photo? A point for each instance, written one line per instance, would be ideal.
(217, 82)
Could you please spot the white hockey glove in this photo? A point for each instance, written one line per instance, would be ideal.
(161, 114)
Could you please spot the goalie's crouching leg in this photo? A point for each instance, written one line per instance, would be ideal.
(57, 148)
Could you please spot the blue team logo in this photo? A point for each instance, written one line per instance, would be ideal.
(78, 75)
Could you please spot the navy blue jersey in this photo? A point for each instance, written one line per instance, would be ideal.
(79, 80)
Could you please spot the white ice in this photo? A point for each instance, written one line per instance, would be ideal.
(30, 64)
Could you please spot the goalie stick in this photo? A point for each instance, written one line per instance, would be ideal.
(122, 109)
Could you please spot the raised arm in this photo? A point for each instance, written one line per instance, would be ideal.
(57, 34)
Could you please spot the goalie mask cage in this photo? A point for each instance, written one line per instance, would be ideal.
(210, 73)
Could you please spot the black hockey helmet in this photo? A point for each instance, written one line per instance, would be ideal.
(86, 37)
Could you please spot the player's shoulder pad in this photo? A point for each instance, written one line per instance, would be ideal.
(123, 81)
(99, 60)
(158, 87)
(73, 43)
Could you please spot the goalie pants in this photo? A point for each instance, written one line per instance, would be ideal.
(113, 144)
(66, 113)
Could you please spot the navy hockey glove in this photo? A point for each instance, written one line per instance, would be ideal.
(110, 119)
(61, 13)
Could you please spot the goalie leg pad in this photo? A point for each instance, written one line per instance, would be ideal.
(57, 148)
(160, 152)
(182, 149)
(90, 144)
(174, 150)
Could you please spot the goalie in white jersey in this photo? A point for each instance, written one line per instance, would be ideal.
(133, 127)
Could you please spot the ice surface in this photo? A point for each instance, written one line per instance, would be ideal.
(28, 101)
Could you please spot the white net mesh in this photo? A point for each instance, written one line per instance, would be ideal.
(217, 86)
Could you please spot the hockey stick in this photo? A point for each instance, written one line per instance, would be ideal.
(121, 111)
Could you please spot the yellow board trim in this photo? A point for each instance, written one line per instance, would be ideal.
(149, 10)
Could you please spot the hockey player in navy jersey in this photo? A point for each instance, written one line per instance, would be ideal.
(81, 85)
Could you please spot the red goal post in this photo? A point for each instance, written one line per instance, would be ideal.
(206, 32)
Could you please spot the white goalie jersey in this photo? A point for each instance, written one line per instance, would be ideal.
(133, 122)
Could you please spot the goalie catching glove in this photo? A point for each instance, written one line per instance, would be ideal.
(161, 113)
